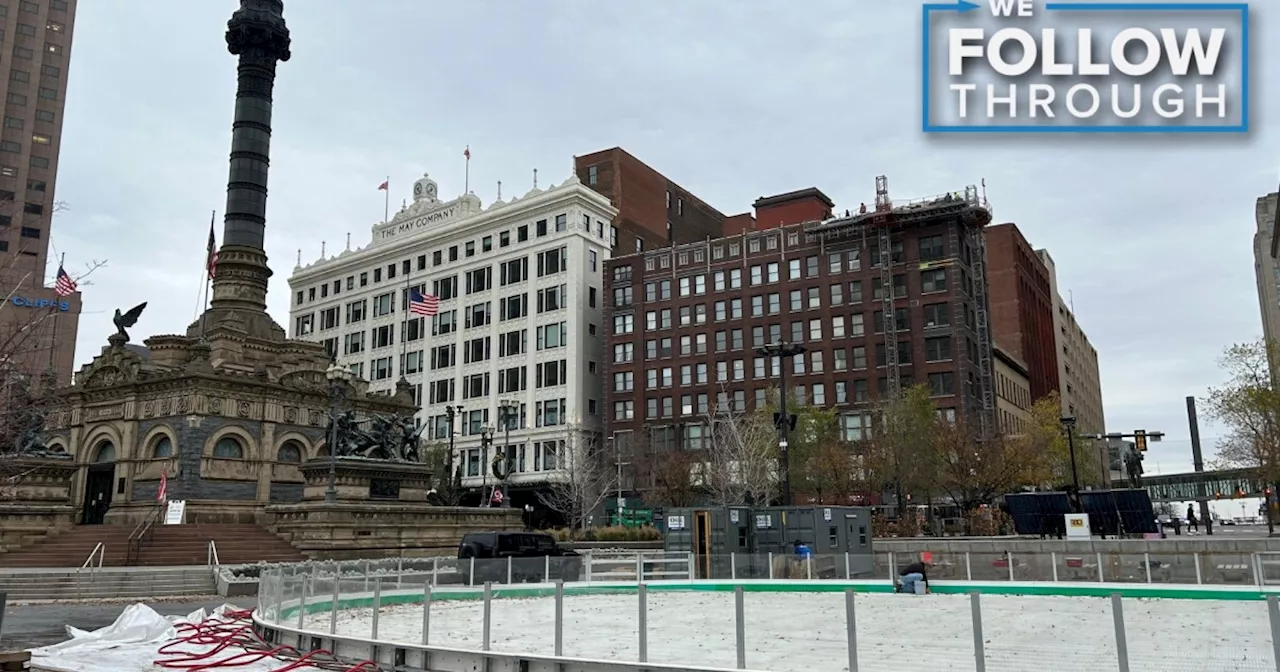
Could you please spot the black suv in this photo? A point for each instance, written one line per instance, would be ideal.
(531, 554)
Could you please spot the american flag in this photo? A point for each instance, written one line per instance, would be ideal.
(211, 252)
(63, 285)
(423, 304)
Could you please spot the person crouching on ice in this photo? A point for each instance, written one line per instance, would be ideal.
(912, 574)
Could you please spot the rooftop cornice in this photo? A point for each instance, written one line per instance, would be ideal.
(497, 215)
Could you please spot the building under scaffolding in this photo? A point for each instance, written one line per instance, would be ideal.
(955, 220)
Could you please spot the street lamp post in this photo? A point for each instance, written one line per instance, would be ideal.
(338, 376)
(451, 412)
(783, 351)
(486, 440)
(506, 412)
(1069, 426)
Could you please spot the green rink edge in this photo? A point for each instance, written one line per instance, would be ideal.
(1126, 590)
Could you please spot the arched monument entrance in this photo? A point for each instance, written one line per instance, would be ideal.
(98, 482)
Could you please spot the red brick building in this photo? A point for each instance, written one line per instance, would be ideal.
(1022, 305)
(682, 323)
(653, 211)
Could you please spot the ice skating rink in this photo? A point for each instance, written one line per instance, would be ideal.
(805, 632)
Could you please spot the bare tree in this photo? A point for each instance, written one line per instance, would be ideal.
(973, 471)
(446, 473)
(582, 479)
(742, 456)
(675, 476)
(24, 392)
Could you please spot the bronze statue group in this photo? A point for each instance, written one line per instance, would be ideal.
(394, 438)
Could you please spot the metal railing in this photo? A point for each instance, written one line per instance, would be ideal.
(99, 551)
(211, 555)
(388, 618)
(141, 533)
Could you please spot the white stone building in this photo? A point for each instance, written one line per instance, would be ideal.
(518, 334)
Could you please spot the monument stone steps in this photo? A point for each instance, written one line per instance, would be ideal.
(106, 583)
(167, 545)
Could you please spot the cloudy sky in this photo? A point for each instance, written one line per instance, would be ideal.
(732, 99)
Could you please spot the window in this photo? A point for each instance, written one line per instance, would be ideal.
(931, 247)
(52, 48)
(59, 5)
(41, 139)
(50, 70)
(33, 208)
(19, 76)
(47, 93)
(13, 122)
(383, 304)
(162, 448)
(936, 315)
(937, 349)
(24, 29)
(36, 185)
(53, 26)
(8, 146)
(552, 335)
(942, 384)
(552, 261)
(16, 99)
(855, 426)
(23, 52)
(228, 448)
(934, 280)
(593, 175)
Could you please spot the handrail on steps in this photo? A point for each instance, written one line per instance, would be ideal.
(141, 533)
(99, 550)
(212, 555)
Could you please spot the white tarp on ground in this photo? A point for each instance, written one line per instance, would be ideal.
(132, 644)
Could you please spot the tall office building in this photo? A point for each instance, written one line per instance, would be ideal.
(510, 364)
(1267, 269)
(38, 327)
(1080, 385)
(653, 211)
(1022, 306)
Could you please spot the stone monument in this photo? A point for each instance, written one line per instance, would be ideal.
(235, 415)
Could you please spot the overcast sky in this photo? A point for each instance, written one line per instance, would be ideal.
(733, 99)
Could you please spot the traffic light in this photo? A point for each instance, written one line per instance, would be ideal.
(1140, 440)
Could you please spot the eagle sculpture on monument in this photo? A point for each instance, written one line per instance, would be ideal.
(125, 320)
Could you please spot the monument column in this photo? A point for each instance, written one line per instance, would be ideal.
(258, 35)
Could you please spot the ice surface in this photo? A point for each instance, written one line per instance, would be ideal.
(806, 631)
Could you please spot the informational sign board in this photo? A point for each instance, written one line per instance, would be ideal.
(675, 523)
(764, 522)
(733, 516)
(826, 515)
(175, 512)
(1078, 526)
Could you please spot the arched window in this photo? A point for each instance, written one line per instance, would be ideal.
(105, 451)
(323, 450)
(229, 447)
(290, 452)
(162, 447)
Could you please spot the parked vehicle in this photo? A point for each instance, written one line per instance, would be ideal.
(532, 555)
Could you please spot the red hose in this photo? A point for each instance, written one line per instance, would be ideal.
(234, 630)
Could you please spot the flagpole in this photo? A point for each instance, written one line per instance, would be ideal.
(466, 180)
(53, 342)
(386, 207)
(208, 281)
(404, 335)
